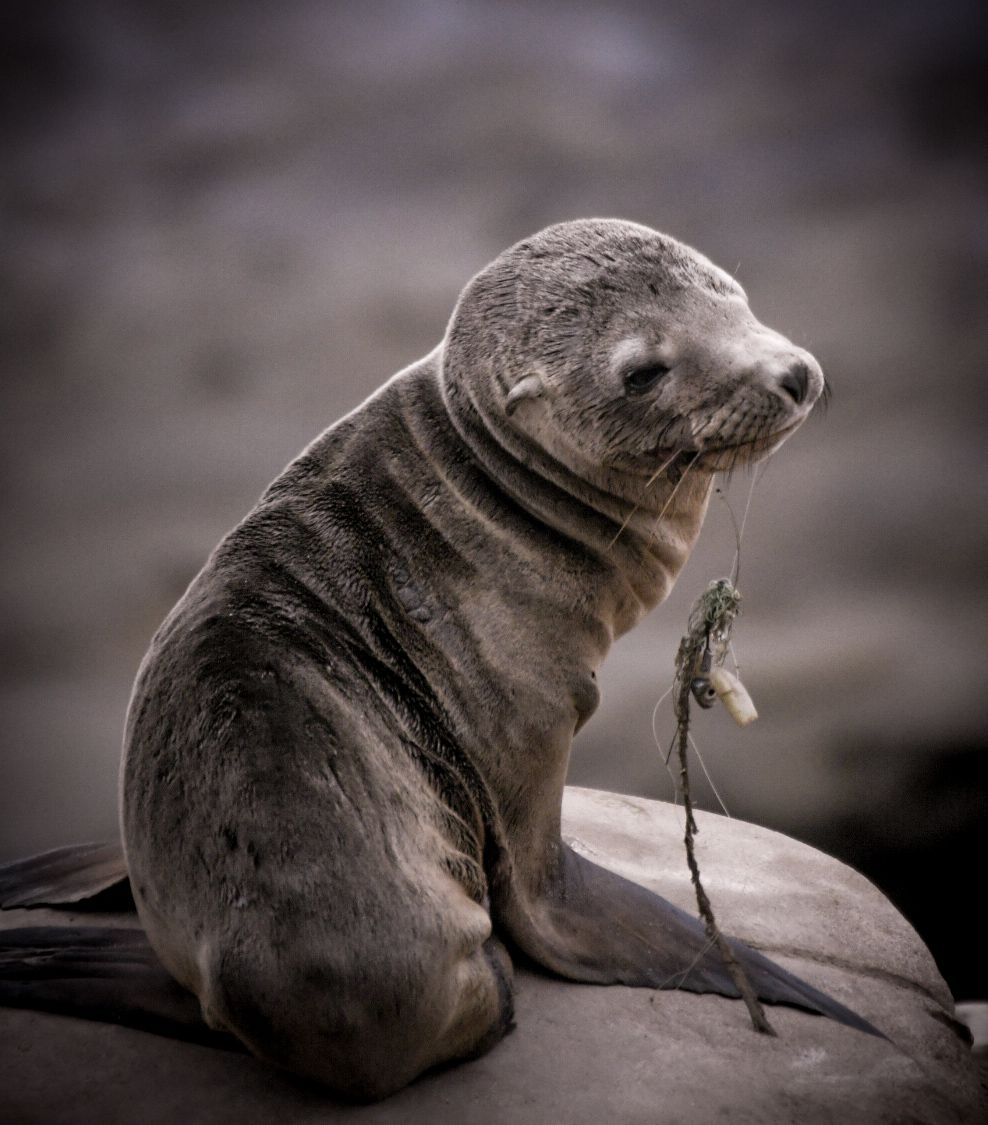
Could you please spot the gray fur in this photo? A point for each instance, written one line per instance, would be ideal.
(346, 748)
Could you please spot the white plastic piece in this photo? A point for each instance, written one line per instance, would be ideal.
(734, 696)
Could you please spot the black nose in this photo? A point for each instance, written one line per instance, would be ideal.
(796, 382)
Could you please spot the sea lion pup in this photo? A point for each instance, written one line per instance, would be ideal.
(346, 748)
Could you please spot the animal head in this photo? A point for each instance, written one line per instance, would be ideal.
(616, 346)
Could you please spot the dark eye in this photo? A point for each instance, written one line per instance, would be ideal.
(642, 378)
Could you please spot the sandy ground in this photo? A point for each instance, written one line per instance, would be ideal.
(225, 225)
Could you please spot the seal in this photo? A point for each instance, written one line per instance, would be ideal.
(346, 748)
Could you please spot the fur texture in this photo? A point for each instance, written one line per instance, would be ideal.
(346, 748)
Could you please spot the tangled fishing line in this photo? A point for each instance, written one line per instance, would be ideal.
(700, 674)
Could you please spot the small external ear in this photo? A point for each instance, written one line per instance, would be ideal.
(529, 387)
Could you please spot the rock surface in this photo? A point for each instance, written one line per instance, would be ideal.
(584, 1054)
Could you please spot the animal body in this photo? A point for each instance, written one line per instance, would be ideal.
(346, 747)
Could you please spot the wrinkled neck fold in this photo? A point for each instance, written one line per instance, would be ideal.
(644, 528)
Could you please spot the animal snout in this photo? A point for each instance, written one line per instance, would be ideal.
(795, 381)
(774, 364)
(794, 376)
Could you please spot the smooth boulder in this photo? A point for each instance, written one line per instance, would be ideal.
(586, 1054)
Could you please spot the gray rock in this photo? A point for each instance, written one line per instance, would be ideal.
(584, 1054)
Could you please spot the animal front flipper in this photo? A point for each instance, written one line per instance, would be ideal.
(83, 876)
(110, 975)
(589, 924)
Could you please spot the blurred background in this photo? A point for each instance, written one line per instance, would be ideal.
(225, 224)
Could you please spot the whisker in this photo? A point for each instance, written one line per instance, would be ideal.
(648, 484)
(826, 396)
(672, 496)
